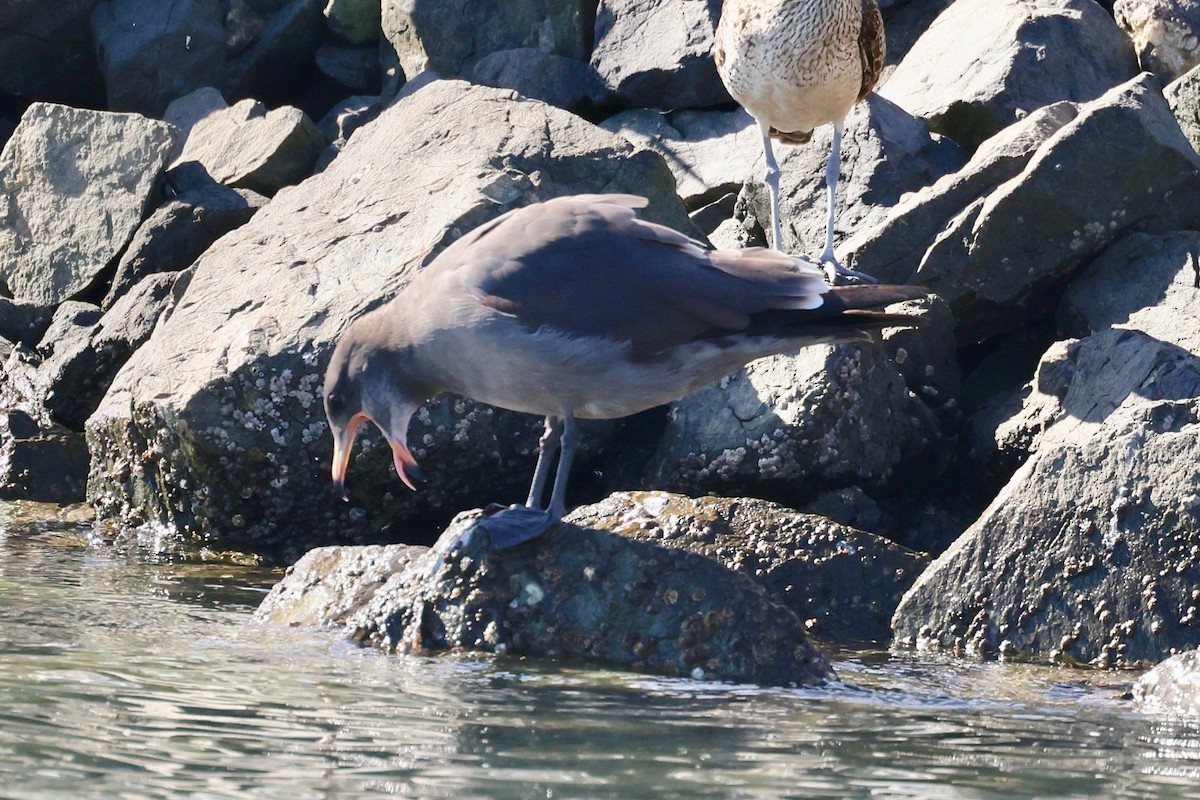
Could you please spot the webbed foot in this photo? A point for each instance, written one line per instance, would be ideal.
(509, 526)
(837, 275)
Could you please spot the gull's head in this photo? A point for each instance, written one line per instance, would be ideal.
(369, 378)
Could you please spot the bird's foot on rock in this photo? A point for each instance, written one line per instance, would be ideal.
(837, 275)
(509, 526)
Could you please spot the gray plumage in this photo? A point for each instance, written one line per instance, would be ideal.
(576, 308)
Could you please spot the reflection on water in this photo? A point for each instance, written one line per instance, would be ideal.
(120, 677)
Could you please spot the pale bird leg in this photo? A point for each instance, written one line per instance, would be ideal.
(772, 179)
(834, 271)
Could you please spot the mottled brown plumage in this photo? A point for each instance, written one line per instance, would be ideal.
(797, 64)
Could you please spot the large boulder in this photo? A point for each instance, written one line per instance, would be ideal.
(1183, 95)
(554, 79)
(180, 230)
(46, 53)
(587, 593)
(450, 36)
(794, 425)
(226, 393)
(1000, 260)
(711, 153)
(154, 52)
(280, 61)
(843, 583)
(1090, 553)
(40, 461)
(74, 186)
(886, 153)
(658, 54)
(1144, 282)
(1166, 34)
(250, 147)
(984, 64)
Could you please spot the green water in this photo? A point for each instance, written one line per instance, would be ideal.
(125, 678)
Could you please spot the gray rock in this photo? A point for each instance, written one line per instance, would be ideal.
(44, 463)
(1172, 687)
(46, 53)
(329, 584)
(1144, 282)
(23, 322)
(189, 109)
(982, 64)
(658, 53)
(248, 147)
(244, 23)
(356, 21)
(282, 54)
(793, 425)
(579, 592)
(711, 153)
(346, 117)
(67, 210)
(180, 230)
(352, 66)
(886, 153)
(554, 79)
(227, 390)
(844, 583)
(154, 52)
(998, 260)
(1166, 34)
(81, 367)
(904, 25)
(1090, 553)
(892, 249)
(70, 318)
(1183, 95)
(448, 37)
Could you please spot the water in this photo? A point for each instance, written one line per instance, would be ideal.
(125, 678)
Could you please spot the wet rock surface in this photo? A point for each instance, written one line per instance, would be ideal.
(578, 592)
(40, 461)
(1172, 687)
(842, 582)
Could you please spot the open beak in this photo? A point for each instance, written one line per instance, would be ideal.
(402, 457)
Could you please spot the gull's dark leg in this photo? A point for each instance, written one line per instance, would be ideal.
(516, 525)
(547, 447)
(568, 441)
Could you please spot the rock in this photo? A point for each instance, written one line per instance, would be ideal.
(1090, 553)
(227, 390)
(154, 52)
(356, 21)
(904, 25)
(46, 53)
(77, 373)
(189, 109)
(448, 37)
(1164, 33)
(329, 584)
(23, 322)
(351, 66)
(1148, 283)
(885, 154)
(844, 583)
(658, 54)
(74, 186)
(793, 425)
(244, 22)
(180, 230)
(345, 118)
(45, 464)
(282, 56)
(248, 147)
(982, 64)
(998, 262)
(892, 249)
(1183, 95)
(553, 79)
(578, 592)
(711, 153)
(1172, 687)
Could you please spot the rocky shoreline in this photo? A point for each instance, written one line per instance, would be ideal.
(195, 204)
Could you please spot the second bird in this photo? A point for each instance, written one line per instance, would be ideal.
(794, 65)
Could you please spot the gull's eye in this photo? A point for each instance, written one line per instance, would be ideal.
(335, 403)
